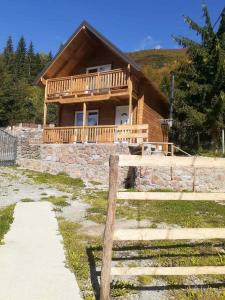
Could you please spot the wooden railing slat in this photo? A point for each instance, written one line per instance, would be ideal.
(87, 82)
(102, 133)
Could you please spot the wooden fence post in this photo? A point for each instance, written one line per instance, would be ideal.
(109, 228)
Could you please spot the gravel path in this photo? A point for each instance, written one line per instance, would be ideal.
(15, 186)
(32, 260)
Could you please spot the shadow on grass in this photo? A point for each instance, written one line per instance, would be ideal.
(95, 274)
(93, 270)
(171, 287)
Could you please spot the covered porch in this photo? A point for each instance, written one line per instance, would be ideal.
(107, 121)
(108, 118)
(96, 134)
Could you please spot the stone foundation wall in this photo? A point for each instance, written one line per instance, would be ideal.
(87, 161)
(90, 162)
(181, 179)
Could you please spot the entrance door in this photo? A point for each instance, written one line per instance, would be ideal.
(122, 115)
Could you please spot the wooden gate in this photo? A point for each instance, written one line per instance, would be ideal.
(148, 234)
(8, 148)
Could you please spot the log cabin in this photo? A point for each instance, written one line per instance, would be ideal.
(102, 95)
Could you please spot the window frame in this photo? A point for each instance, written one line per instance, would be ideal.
(88, 111)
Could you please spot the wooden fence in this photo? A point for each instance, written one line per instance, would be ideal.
(150, 234)
(8, 148)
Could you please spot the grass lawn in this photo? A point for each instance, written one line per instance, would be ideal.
(6, 218)
(84, 252)
(169, 253)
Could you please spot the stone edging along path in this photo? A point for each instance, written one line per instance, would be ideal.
(32, 259)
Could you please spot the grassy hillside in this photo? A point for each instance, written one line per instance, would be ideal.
(156, 63)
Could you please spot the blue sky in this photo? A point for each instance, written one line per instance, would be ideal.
(130, 24)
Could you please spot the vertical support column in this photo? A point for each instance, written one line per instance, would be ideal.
(84, 114)
(109, 229)
(130, 89)
(140, 110)
(84, 135)
(45, 114)
(45, 110)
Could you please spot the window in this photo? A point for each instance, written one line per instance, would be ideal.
(92, 118)
(98, 69)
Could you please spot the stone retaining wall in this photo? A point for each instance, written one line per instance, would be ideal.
(87, 161)
(181, 179)
(90, 162)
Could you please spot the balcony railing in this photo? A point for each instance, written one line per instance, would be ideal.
(96, 134)
(101, 82)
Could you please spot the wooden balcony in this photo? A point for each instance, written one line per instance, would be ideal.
(87, 86)
(96, 134)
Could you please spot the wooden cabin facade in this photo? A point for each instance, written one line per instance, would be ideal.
(102, 95)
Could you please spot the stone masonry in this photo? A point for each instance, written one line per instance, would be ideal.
(90, 162)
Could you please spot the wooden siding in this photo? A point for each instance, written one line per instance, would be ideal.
(154, 110)
(102, 56)
(106, 113)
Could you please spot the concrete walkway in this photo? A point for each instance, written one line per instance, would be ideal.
(32, 260)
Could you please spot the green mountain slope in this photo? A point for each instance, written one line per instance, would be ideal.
(157, 63)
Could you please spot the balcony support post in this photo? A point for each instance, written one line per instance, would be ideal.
(140, 109)
(130, 89)
(84, 113)
(45, 114)
(84, 137)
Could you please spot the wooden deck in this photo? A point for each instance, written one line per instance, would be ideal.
(96, 134)
(88, 86)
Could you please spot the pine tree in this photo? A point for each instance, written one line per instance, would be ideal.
(21, 59)
(200, 88)
(31, 63)
(8, 56)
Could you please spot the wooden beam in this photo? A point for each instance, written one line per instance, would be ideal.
(45, 114)
(84, 113)
(171, 196)
(109, 229)
(169, 234)
(140, 109)
(43, 81)
(130, 91)
(168, 271)
(81, 99)
(171, 161)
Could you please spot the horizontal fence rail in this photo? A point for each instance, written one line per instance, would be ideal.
(8, 148)
(168, 234)
(87, 83)
(170, 161)
(96, 134)
(171, 196)
(149, 234)
(168, 271)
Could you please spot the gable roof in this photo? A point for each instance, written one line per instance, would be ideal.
(58, 58)
(86, 26)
